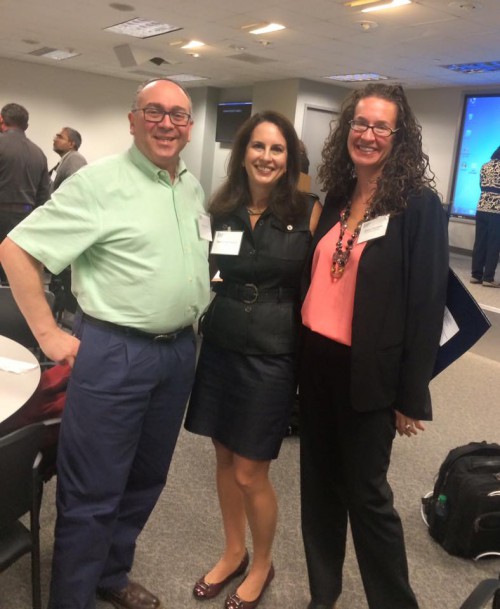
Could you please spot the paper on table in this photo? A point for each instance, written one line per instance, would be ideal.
(13, 365)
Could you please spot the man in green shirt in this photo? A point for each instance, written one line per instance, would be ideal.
(129, 226)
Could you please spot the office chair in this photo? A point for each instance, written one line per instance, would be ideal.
(12, 323)
(20, 490)
(486, 591)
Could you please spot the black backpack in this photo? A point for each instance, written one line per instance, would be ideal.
(463, 512)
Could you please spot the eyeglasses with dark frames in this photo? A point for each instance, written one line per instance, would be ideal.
(380, 130)
(179, 118)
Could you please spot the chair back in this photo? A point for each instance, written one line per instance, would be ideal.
(18, 451)
(12, 322)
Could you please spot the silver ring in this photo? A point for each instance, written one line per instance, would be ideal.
(407, 426)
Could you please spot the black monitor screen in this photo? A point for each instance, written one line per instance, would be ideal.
(479, 138)
(230, 117)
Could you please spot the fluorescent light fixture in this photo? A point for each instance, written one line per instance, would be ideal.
(357, 77)
(141, 28)
(267, 28)
(56, 54)
(385, 5)
(356, 3)
(186, 77)
(61, 55)
(193, 44)
(479, 67)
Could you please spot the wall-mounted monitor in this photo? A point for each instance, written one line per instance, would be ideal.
(479, 137)
(230, 117)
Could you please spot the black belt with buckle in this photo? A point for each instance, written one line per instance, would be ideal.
(165, 338)
(249, 293)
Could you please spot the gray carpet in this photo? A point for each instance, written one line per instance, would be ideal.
(183, 537)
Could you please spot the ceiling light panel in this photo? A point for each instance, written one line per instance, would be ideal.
(142, 28)
(267, 29)
(362, 77)
(385, 5)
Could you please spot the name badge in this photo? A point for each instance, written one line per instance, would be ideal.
(227, 242)
(204, 227)
(373, 229)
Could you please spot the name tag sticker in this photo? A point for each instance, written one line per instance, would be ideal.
(227, 242)
(373, 229)
(204, 227)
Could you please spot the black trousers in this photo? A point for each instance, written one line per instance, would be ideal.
(345, 456)
(486, 246)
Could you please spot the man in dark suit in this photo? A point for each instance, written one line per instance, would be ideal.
(24, 178)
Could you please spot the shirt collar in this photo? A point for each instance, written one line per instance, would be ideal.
(151, 170)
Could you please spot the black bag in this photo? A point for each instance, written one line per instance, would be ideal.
(463, 512)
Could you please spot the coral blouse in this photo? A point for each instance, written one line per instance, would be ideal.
(329, 303)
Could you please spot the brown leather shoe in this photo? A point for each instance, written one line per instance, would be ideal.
(235, 602)
(133, 596)
(204, 591)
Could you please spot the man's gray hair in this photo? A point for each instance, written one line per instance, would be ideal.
(73, 136)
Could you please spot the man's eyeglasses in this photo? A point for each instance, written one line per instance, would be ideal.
(154, 115)
(380, 130)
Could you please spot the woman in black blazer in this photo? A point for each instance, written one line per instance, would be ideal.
(373, 310)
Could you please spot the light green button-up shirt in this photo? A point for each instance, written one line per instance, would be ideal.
(132, 239)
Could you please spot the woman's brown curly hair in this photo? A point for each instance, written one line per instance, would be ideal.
(285, 200)
(406, 169)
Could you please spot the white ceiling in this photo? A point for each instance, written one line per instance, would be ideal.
(323, 37)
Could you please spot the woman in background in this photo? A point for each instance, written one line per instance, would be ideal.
(372, 320)
(246, 374)
(487, 241)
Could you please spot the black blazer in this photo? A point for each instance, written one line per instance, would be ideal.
(398, 306)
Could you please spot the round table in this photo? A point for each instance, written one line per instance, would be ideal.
(16, 389)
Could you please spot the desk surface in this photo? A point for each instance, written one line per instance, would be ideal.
(16, 389)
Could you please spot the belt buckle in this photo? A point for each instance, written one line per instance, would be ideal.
(254, 297)
(165, 338)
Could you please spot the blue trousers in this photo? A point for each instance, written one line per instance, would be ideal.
(125, 404)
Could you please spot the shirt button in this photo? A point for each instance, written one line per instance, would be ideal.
(252, 252)
(289, 227)
(248, 309)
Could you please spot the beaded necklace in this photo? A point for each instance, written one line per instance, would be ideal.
(341, 256)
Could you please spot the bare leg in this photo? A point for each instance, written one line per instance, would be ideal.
(262, 511)
(233, 516)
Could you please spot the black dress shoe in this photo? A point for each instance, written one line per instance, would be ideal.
(204, 591)
(133, 596)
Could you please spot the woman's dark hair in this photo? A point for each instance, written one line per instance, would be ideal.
(286, 201)
(496, 155)
(406, 169)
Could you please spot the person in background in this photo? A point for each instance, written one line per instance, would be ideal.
(374, 304)
(304, 177)
(128, 224)
(246, 375)
(487, 241)
(66, 143)
(24, 178)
